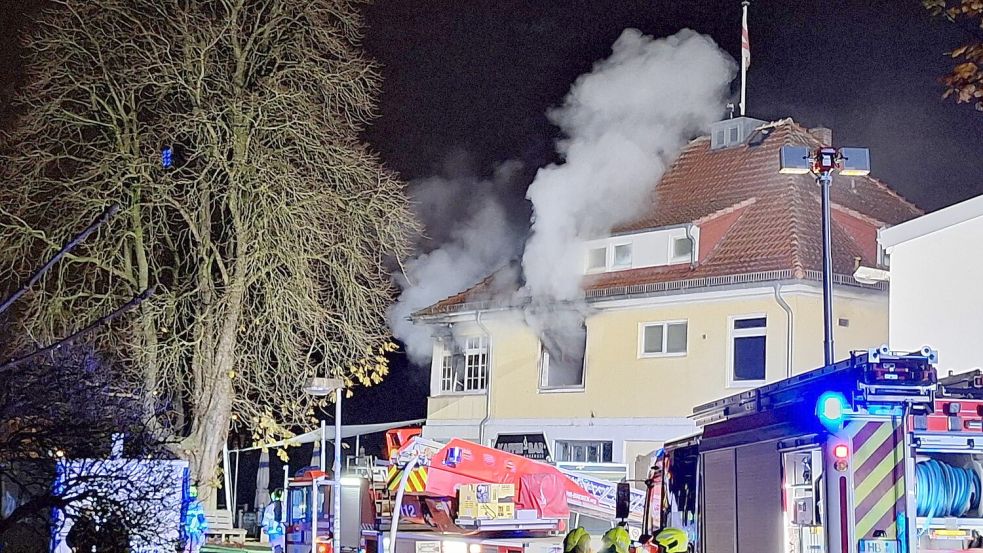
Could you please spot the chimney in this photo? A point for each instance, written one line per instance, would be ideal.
(823, 135)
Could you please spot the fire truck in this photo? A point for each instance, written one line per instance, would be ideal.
(431, 513)
(873, 454)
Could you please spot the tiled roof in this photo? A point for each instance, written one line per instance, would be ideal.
(763, 220)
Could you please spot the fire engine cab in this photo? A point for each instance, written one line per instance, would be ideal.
(873, 454)
(309, 518)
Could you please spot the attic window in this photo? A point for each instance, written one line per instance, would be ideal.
(682, 248)
(597, 259)
(734, 135)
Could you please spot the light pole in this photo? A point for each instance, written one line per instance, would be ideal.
(321, 387)
(821, 162)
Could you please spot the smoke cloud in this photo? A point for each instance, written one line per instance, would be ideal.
(470, 233)
(624, 122)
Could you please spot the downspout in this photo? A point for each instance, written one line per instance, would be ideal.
(789, 319)
(692, 246)
(488, 379)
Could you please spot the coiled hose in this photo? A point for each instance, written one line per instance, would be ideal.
(943, 490)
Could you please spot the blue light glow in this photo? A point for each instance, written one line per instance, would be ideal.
(831, 408)
(166, 157)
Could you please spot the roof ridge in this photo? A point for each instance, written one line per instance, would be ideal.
(726, 210)
(856, 214)
(727, 233)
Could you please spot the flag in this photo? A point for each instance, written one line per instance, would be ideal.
(745, 41)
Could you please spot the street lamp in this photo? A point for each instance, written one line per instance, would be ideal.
(821, 162)
(320, 387)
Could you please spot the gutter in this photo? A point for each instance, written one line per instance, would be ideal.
(692, 246)
(789, 319)
(488, 378)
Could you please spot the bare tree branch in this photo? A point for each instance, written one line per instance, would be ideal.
(106, 215)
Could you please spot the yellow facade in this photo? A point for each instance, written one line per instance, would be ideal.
(619, 384)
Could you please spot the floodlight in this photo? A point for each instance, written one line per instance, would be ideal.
(854, 162)
(794, 160)
(320, 386)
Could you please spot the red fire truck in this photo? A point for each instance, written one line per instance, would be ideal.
(874, 454)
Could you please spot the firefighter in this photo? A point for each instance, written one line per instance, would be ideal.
(577, 541)
(195, 523)
(672, 540)
(616, 540)
(273, 521)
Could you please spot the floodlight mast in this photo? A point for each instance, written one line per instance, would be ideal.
(821, 162)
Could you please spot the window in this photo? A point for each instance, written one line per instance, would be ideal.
(734, 134)
(658, 339)
(562, 358)
(583, 451)
(682, 248)
(622, 255)
(464, 368)
(597, 259)
(748, 351)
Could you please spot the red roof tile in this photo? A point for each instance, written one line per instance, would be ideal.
(778, 227)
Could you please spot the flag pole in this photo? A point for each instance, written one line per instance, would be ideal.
(745, 56)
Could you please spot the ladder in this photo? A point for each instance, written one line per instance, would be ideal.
(874, 376)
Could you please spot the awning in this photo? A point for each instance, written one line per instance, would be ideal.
(347, 431)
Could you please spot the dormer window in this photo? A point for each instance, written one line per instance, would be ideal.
(682, 249)
(597, 259)
(622, 256)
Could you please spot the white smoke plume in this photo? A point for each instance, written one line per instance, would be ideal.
(475, 234)
(624, 122)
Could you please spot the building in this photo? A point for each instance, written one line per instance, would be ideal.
(716, 288)
(936, 296)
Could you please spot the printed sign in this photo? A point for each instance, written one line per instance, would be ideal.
(428, 547)
(530, 446)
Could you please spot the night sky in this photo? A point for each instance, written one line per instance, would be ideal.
(472, 80)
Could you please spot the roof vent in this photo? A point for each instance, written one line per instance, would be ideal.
(732, 132)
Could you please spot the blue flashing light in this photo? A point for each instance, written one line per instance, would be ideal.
(166, 157)
(831, 408)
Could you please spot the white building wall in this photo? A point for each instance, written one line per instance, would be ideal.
(936, 296)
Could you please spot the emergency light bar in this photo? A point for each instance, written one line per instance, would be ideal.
(874, 376)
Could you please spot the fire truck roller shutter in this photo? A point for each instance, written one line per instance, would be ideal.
(719, 502)
(743, 499)
(759, 498)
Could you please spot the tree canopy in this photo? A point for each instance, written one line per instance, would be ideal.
(965, 82)
(229, 133)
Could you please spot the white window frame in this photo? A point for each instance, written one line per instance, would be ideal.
(544, 355)
(591, 270)
(614, 258)
(585, 444)
(673, 258)
(733, 333)
(642, 354)
(480, 375)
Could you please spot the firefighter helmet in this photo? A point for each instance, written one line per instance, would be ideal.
(673, 540)
(577, 541)
(616, 540)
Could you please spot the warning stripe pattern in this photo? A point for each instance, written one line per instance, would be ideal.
(878, 477)
(416, 483)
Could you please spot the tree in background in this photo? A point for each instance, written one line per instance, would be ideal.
(965, 82)
(228, 130)
(69, 407)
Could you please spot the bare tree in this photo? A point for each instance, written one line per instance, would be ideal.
(266, 227)
(58, 420)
